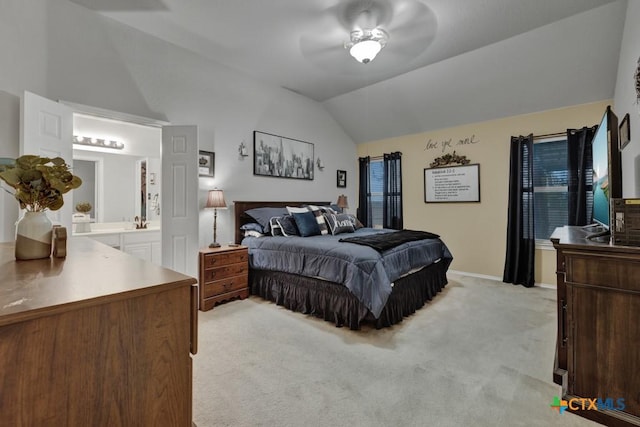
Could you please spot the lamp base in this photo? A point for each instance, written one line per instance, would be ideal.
(214, 245)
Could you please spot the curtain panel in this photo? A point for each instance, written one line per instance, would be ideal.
(392, 191)
(519, 267)
(364, 195)
(580, 175)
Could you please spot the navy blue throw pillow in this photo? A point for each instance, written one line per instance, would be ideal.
(306, 223)
(288, 225)
(264, 215)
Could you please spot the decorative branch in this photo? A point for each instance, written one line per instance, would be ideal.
(637, 78)
(449, 159)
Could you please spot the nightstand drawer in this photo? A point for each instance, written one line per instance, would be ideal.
(225, 271)
(223, 286)
(215, 259)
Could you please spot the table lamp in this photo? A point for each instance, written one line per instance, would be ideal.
(342, 202)
(215, 200)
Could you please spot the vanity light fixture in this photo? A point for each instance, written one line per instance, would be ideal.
(98, 142)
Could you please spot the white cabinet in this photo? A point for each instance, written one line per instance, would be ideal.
(144, 244)
(112, 240)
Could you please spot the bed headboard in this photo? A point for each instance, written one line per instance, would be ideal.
(241, 218)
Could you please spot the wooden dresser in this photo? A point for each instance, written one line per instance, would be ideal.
(224, 275)
(99, 338)
(598, 344)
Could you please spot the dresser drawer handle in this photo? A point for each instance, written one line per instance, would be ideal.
(227, 286)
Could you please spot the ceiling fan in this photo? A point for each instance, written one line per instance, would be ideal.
(364, 28)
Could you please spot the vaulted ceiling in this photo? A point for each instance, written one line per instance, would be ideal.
(447, 62)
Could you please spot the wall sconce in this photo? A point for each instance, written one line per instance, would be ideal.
(98, 142)
(320, 164)
(242, 149)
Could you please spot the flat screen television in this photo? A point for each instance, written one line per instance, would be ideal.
(607, 172)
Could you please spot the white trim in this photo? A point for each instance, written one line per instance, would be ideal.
(99, 180)
(114, 115)
(497, 279)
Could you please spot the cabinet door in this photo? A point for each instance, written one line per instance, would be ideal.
(604, 344)
(139, 250)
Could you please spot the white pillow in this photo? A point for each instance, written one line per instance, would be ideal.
(293, 210)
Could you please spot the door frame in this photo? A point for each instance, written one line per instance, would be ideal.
(98, 169)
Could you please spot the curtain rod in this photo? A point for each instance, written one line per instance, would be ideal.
(549, 135)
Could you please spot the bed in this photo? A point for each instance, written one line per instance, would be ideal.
(342, 282)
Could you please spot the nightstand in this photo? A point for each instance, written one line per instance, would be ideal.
(224, 275)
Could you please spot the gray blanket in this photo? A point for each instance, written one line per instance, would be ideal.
(367, 273)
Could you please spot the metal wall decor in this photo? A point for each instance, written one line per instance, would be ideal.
(449, 159)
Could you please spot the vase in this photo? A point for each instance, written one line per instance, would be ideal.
(33, 236)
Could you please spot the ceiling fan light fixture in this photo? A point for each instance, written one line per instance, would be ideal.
(366, 44)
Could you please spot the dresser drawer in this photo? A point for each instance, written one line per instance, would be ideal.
(213, 260)
(616, 272)
(225, 271)
(219, 287)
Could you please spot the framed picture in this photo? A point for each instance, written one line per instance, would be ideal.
(625, 131)
(281, 157)
(206, 163)
(452, 184)
(341, 179)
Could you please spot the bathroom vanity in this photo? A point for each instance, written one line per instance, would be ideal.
(143, 243)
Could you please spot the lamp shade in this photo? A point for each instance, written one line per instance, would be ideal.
(216, 199)
(342, 201)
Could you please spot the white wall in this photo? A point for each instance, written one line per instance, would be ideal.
(64, 51)
(625, 99)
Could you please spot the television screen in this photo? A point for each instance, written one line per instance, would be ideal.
(607, 176)
(600, 175)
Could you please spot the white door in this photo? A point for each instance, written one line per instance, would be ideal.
(46, 130)
(179, 200)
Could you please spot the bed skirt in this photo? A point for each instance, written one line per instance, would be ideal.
(335, 303)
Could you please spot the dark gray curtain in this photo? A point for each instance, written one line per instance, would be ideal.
(364, 196)
(580, 175)
(392, 191)
(519, 265)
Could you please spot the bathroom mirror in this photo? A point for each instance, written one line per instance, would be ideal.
(122, 179)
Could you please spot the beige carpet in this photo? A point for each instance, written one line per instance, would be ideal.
(479, 354)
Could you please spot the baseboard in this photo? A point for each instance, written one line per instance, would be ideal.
(496, 278)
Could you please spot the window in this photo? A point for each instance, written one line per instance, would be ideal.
(376, 180)
(550, 186)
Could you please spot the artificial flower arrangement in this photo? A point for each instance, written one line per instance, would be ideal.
(38, 182)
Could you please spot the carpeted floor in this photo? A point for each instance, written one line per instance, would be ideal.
(480, 354)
